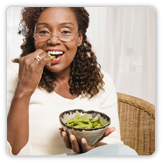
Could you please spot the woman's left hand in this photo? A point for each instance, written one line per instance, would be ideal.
(73, 144)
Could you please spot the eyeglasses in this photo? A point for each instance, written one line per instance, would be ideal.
(65, 36)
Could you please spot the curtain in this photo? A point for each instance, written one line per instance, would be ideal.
(14, 40)
(123, 39)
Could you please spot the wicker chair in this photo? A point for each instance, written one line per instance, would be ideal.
(137, 123)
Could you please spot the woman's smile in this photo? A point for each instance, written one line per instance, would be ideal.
(57, 59)
(55, 54)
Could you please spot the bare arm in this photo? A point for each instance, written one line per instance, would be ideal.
(17, 123)
(30, 72)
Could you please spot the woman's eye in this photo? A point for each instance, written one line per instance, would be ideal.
(43, 32)
(66, 32)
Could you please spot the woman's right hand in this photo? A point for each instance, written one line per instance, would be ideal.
(30, 72)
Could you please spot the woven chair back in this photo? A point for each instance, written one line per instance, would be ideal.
(137, 123)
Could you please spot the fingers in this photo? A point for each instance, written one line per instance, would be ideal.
(70, 142)
(31, 58)
(109, 131)
(45, 59)
(85, 146)
(60, 131)
(66, 139)
(74, 144)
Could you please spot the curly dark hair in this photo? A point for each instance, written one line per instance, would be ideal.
(85, 76)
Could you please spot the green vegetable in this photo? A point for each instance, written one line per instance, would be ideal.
(94, 120)
(95, 124)
(71, 124)
(101, 122)
(78, 123)
(82, 119)
(90, 124)
(82, 126)
(73, 119)
(98, 125)
(52, 57)
(84, 122)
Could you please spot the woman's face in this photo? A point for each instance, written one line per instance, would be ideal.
(55, 20)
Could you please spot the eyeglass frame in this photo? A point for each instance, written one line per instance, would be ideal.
(56, 36)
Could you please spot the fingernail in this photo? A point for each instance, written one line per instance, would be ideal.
(63, 134)
(83, 140)
(72, 137)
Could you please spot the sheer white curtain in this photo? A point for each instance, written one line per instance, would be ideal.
(123, 39)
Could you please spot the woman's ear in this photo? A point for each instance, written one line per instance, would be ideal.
(80, 39)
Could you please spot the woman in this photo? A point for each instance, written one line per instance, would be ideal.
(57, 71)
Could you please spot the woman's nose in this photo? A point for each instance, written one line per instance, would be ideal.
(54, 39)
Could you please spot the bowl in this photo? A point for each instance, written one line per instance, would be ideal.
(92, 135)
